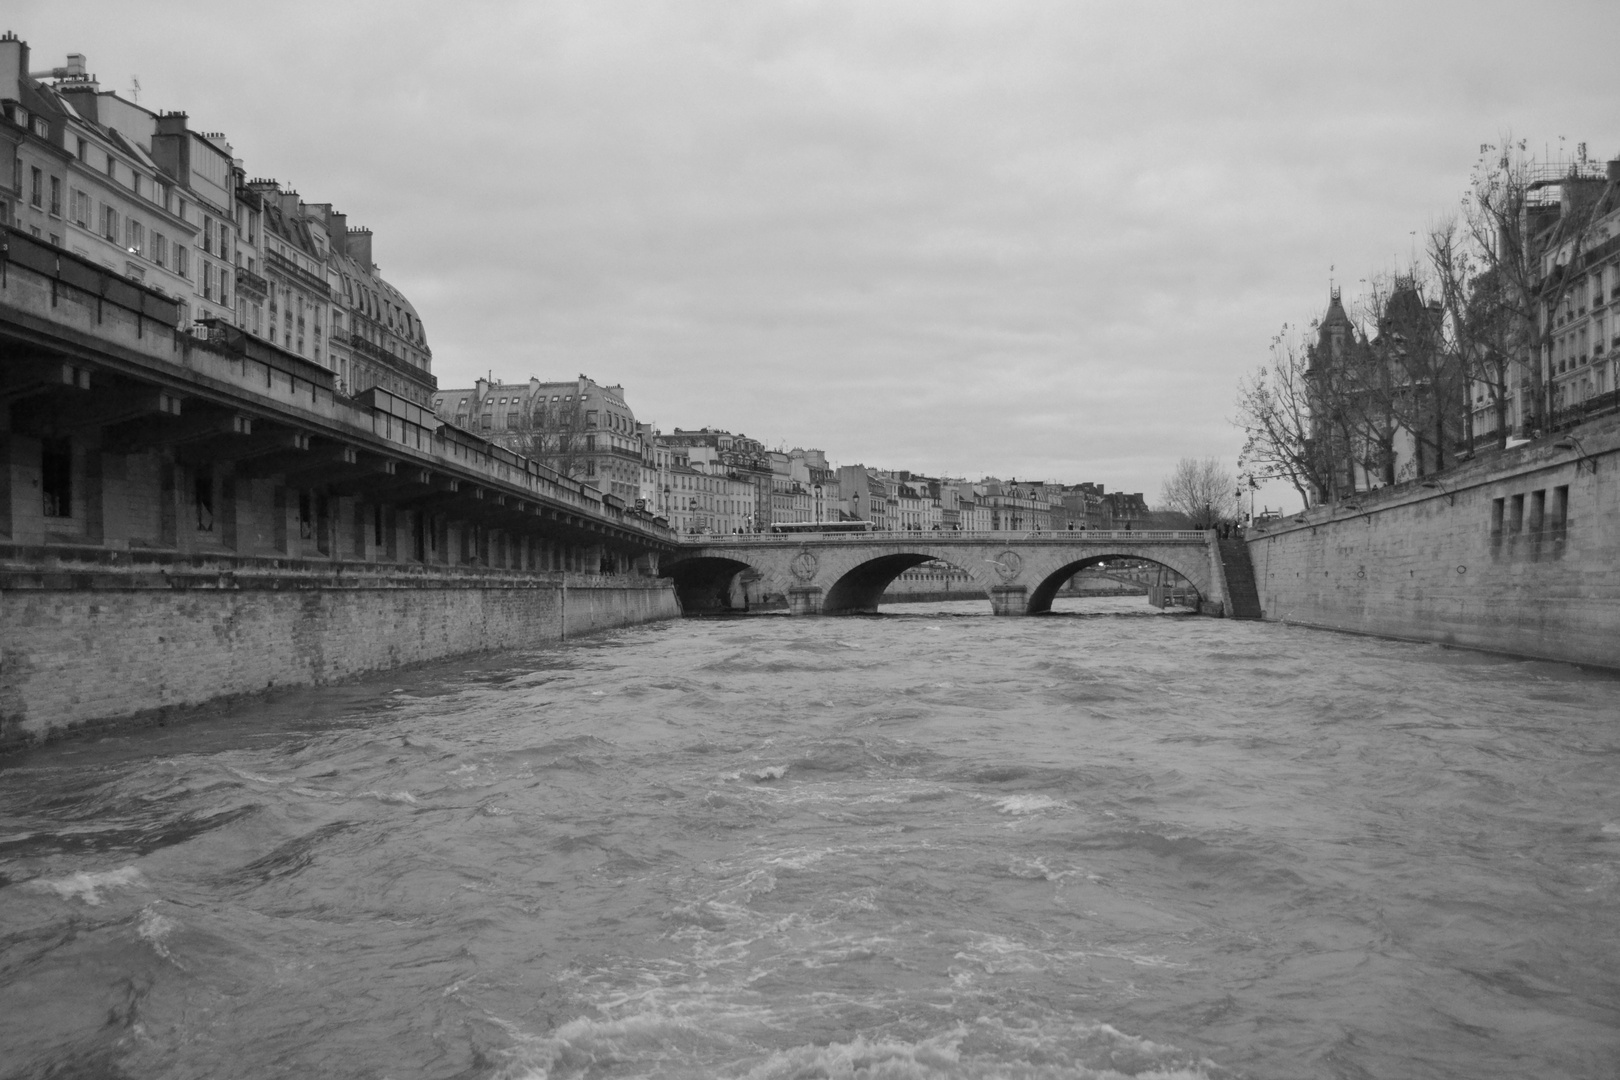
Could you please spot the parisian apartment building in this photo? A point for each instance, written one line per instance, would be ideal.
(144, 195)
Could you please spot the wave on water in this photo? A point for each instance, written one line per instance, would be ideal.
(155, 929)
(1023, 804)
(658, 1043)
(582, 752)
(87, 885)
(404, 798)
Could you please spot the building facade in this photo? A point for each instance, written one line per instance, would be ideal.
(580, 429)
(166, 207)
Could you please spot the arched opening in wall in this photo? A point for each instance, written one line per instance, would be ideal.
(708, 584)
(1114, 584)
(893, 582)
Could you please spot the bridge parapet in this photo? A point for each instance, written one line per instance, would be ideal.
(1187, 536)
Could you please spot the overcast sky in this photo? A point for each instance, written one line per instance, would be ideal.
(1041, 240)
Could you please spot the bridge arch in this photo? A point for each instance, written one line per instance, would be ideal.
(705, 582)
(860, 588)
(1042, 595)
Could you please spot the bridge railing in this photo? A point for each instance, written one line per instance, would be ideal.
(950, 536)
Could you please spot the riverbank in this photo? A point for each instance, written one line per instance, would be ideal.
(94, 639)
(1515, 552)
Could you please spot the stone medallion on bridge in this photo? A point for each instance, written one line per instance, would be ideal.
(804, 565)
(1008, 565)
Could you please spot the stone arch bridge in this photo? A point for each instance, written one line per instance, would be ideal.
(846, 573)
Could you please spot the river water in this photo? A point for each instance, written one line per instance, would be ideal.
(927, 844)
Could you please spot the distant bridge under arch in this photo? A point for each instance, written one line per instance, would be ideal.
(847, 573)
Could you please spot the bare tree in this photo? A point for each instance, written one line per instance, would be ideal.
(1203, 490)
(554, 434)
(1527, 225)
(1277, 408)
(1413, 380)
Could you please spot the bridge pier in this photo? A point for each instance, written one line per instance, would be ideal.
(1009, 600)
(804, 600)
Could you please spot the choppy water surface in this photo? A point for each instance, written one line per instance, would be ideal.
(921, 845)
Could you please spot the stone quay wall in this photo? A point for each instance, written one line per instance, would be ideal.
(108, 642)
(1516, 551)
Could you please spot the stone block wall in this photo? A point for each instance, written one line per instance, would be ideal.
(99, 648)
(1516, 552)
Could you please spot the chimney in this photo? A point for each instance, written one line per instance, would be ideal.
(171, 146)
(85, 98)
(13, 65)
(337, 231)
(358, 246)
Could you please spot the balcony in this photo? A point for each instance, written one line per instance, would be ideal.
(284, 266)
(252, 284)
(360, 347)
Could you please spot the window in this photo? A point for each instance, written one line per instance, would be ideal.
(56, 477)
(1538, 510)
(112, 166)
(36, 193)
(208, 279)
(56, 196)
(590, 418)
(84, 150)
(182, 260)
(134, 236)
(225, 290)
(160, 249)
(208, 234)
(1558, 515)
(109, 223)
(203, 497)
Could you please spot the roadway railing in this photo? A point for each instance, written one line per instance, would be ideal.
(951, 536)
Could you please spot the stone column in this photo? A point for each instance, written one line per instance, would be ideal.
(1009, 599)
(804, 600)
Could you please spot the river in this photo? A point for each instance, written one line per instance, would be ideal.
(926, 844)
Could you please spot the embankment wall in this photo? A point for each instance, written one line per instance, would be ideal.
(107, 644)
(1517, 551)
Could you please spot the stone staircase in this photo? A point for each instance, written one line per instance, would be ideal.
(1242, 595)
